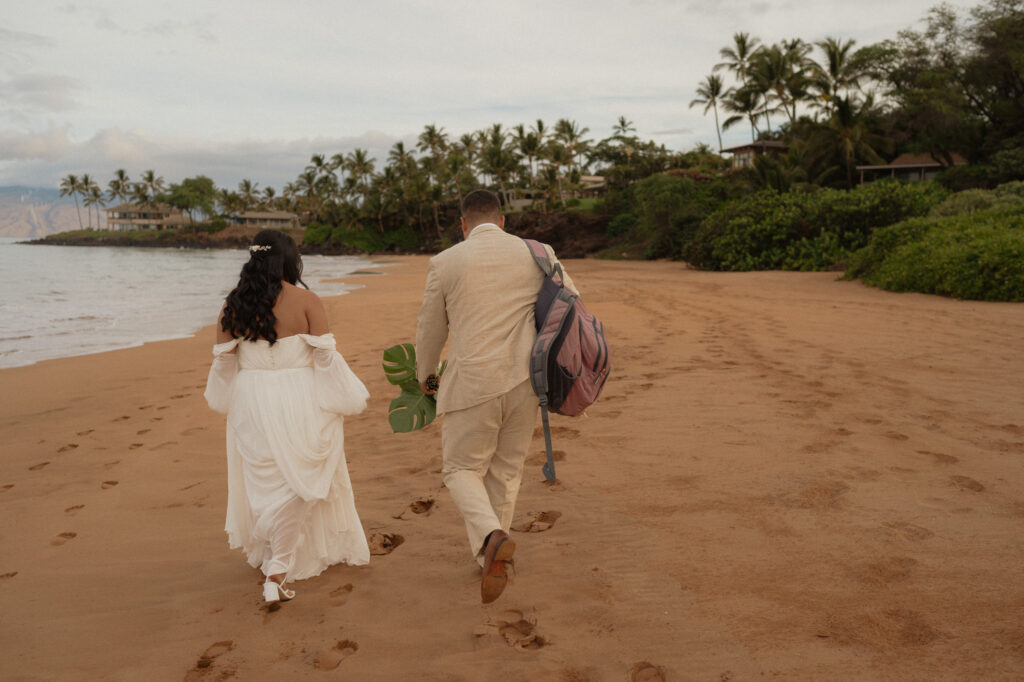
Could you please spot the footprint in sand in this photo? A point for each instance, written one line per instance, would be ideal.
(909, 530)
(194, 429)
(642, 671)
(564, 432)
(421, 505)
(6, 487)
(542, 456)
(72, 510)
(69, 446)
(536, 522)
(179, 396)
(121, 418)
(145, 407)
(384, 543)
(108, 484)
(37, 467)
(339, 595)
(135, 446)
(7, 576)
(212, 652)
(940, 458)
(142, 432)
(331, 658)
(85, 433)
(966, 483)
(513, 628)
(62, 538)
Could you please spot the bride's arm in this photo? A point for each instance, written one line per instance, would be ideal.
(316, 316)
(221, 378)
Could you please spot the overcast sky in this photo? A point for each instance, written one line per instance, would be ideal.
(250, 89)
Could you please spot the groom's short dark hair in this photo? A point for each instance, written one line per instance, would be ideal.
(481, 206)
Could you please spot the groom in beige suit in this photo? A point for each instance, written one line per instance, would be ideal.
(482, 293)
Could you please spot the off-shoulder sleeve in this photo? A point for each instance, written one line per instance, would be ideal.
(338, 389)
(221, 378)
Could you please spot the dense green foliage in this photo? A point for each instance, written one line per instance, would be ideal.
(704, 223)
(969, 246)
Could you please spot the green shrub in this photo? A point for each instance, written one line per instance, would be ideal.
(800, 230)
(979, 256)
(316, 234)
(974, 200)
(620, 225)
(1011, 189)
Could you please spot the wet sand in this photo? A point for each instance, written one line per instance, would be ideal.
(787, 477)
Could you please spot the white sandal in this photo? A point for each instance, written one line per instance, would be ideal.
(273, 592)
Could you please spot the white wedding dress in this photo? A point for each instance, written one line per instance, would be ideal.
(290, 501)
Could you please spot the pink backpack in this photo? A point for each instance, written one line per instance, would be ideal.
(569, 363)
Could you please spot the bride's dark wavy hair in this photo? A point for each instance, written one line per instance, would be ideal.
(249, 308)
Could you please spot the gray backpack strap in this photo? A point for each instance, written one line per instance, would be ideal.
(540, 255)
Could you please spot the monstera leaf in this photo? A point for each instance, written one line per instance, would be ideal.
(400, 364)
(412, 409)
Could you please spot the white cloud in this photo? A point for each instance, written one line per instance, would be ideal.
(49, 145)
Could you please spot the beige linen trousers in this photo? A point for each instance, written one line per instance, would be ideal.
(479, 297)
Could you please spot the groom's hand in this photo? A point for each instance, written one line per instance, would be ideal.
(426, 391)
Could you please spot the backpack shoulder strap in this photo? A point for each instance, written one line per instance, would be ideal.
(540, 255)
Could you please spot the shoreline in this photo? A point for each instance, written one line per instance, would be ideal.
(786, 475)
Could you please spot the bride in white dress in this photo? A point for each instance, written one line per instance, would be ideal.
(284, 388)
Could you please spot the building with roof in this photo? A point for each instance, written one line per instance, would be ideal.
(277, 220)
(127, 217)
(743, 156)
(907, 167)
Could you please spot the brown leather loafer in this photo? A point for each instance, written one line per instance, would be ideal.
(499, 549)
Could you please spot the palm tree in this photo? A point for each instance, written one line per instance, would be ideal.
(838, 71)
(94, 197)
(710, 91)
(778, 71)
(848, 136)
(120, 187)
(319, 165)
(69, 186)
(623, 127)
(737, 57)
(570, 134)
(360, 167)
(153, 183)
(743, 103)
(247, 193)
(269, 198)
(140, 193)
(86, 186)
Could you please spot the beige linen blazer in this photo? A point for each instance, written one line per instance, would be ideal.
(481, 292)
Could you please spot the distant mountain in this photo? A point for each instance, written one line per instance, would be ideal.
(36, 212)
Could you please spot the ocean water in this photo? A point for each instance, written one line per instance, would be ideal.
(60, 301)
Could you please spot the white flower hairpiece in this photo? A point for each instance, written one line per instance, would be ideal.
(259, 247)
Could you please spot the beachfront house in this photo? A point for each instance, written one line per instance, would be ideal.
(907, 167)
(277, 220)
(743, 156)
(127, 217)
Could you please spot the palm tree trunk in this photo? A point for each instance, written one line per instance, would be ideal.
(74, 195)
(718, 131)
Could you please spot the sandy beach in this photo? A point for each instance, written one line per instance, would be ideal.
(787, 477)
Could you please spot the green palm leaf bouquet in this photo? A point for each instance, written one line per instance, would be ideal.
(412, 409)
